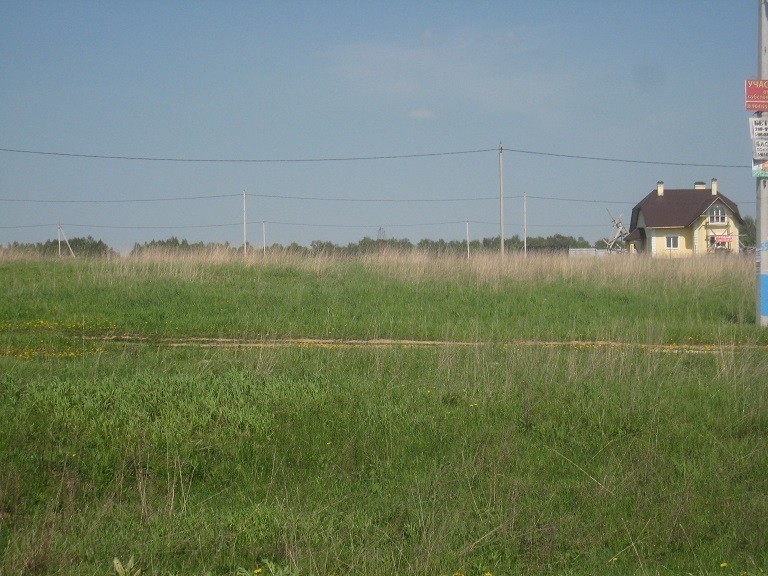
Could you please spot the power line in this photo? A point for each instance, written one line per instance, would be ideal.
(27, 226)
(276, 196)
(320, 199)
(580, 200)
(368, 158)
(149, 227)
(625, 160)
(379, 225)
(301, 224)
(117, 201)
(243, 160)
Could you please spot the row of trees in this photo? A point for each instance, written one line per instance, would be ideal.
(554, 243)
(173, 244)
(90, 247)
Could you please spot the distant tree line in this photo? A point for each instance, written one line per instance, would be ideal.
(173, 244)
(87, 247)
(90, 247)
(556, 243)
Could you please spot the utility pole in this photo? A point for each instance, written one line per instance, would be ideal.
(501, 201)
(467, 223)
(525, 223)
(245, 241)
(61, 233)
(762, 184)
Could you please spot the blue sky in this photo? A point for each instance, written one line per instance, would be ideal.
(282, 85)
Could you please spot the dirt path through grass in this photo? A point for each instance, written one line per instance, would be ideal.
(204, 342)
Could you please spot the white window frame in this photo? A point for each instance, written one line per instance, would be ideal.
(673, 242)
(718, 215)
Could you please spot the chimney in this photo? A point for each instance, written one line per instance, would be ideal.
(714, 186)
(660, 188)
(699, 186)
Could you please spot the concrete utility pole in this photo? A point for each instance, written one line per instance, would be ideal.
(61, 233)
(762, 183)
(245, 240)
(467, 223)
(525, 223)
(501, 201)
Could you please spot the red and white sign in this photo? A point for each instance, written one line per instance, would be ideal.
(723, 238)
(756, 95)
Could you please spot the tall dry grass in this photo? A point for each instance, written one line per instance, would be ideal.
(483, 269)
(620, 271)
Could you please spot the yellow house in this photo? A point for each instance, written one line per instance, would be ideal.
(687, 222)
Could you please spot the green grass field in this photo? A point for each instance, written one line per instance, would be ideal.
(386, 415)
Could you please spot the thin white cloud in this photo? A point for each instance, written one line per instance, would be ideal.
(505, 74)
(422, 114)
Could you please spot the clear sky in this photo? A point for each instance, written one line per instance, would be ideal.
(306, 103)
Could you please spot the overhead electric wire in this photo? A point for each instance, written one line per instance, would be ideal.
(332, 199)
(312, 198)
(244, 160)
(320, 199)
(625, 160)
(150, 227)
(302, 224)
(276, 196)
(380, 225)
(579, 200)
(27, 226)
(368, 158)
(118, 201)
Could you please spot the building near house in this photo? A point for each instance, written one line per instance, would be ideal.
(684, 222)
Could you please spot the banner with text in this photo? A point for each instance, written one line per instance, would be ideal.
(756, 95)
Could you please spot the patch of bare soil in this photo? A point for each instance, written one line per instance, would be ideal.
(203, 342)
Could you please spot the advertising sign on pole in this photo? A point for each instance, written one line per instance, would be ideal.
(760, 149)
(760, 168)
(756, 95)
(758, 128)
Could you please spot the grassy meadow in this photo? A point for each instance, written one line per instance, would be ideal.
(382, 415)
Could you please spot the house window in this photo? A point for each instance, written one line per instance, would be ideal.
(717, 215)
(672, 242)
(720, 242)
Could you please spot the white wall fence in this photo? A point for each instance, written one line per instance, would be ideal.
(587, 252)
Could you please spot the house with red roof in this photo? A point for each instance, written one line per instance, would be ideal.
(684, 222)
